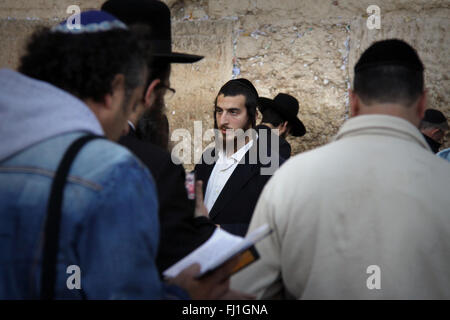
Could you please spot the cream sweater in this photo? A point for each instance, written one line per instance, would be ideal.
(376, 196)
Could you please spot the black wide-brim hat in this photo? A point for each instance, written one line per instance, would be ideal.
(287, 107)
(156, 14)
(436, 117)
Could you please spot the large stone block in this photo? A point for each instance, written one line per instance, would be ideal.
(315, 10)
(427, 32)
(308, 62)
(197, 84)
(14, 34)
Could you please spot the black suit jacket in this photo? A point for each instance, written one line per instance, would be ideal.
(180, 231)
(284, 146)
(234, 207)
(433, 144)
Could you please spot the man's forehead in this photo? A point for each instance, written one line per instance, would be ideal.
(229, 102)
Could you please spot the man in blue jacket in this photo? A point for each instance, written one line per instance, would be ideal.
(74, 81)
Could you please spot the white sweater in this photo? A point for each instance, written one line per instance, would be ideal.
(376, 196)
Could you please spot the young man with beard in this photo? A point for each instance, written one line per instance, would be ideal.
(234, 171)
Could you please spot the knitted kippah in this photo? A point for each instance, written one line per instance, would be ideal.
(389, 52)
(90, 22)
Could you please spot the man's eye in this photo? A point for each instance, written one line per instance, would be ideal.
(218, 110)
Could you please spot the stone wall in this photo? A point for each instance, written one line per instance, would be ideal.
(306, 48)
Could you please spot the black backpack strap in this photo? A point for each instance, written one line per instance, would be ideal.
(53, 220)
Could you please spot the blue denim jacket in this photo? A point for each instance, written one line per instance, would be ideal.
(109, 225)
(444, 154)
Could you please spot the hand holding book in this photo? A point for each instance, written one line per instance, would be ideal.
(221, 247)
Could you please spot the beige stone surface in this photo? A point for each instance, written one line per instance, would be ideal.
(316, 76)
(323, 11)
(306, 48)
(14, 34)
(197, 84)
(43, 9)
(427, 32)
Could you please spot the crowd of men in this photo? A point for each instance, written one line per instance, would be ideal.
(87, 177)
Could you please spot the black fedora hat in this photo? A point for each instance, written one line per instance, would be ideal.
(287, 106)
(156, 14)
(436, 117)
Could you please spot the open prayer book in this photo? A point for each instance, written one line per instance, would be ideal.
(218, 249)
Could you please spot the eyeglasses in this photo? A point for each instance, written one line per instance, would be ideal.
(170, 92)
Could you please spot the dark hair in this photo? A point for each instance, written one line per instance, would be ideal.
(84, 64)
(389, 71)
(153, 126)
(271, 116)
(237, 87)
(388, 84)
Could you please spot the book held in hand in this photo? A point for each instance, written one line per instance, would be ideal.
(219, 248)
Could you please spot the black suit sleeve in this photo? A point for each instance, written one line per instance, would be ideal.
(180, 231)
(285, 149)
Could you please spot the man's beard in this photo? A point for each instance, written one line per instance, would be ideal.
(153, 126)
(232, 144)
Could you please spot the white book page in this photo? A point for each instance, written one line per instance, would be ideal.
(216, 247)
(219, 248)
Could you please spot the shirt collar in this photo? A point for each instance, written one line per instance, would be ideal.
(374, 123)
(131, 125)
(238, 155)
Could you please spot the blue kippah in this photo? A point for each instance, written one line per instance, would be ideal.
(90, 21)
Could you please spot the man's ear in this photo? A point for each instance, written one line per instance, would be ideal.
(117, 88)
(354, 103)
(149, 97)
(422, 104)
(283, 126)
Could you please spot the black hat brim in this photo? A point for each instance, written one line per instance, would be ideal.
(175, 57)
(297, 127)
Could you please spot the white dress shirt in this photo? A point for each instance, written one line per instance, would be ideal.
(222, 171)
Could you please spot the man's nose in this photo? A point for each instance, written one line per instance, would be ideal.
(224, 118)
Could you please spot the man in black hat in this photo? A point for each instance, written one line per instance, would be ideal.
(152, 125)
(181, 232)
(281, 114)
(433, 127)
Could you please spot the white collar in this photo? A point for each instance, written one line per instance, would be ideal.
(387, 124)
(131, 125)
(237, 156)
